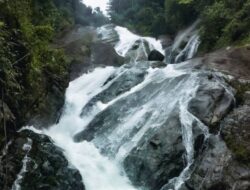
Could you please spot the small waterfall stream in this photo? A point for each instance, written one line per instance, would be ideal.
(185, 45)
(109, 111)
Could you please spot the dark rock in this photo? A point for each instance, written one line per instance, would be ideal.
(50, 105)
(211, 102)
(155, 55)
(236, 133)
(216, 169)
(199, 143)
(157, 158)
(47, 168)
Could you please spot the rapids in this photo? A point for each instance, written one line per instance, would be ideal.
(110, 110)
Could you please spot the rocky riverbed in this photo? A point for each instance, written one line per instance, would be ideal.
(183, 126)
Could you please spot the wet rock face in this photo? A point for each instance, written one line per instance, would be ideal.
(46, 166)
(157, 64)
(107, 34)
(139, 51)
(51, 104)
(212, 102)
(217, 169)
(232, 61)
(224, 163)
(160, 154)
(123, 83)
(159, 157)
(236, 131)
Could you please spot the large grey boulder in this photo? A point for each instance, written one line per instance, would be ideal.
(159, 157)
(139, 51)
(216, 169)
(212, 101)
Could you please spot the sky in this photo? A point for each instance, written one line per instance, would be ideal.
(97, 3)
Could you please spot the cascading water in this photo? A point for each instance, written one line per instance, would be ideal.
(190, 49)
(191, 41)
(127, 40)
(109, 111)
(26, 147)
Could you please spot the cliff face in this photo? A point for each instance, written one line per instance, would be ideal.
(223, 161)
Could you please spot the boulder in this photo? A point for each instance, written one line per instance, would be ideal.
(46, 166)
(155, 55)
(236, 131)
(211, 102)
(159, 157)
(216, 169)
(139, 51)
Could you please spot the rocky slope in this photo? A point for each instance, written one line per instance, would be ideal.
(219, 155)
(29, 158)
(160, 155)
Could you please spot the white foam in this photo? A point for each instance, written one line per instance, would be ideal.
(127, 39)
(98, 172)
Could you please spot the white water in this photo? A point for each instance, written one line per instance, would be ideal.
(26, 147)
(127, 39)
(98, 172)
(190, 49)
(191, 38)
(106, 172)
(184, 35)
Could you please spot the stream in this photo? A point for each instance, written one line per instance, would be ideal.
(119, 124)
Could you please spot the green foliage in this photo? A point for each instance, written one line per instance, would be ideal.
(179, 14)
(239, 150)
(223, 22)
(142, 16)
(153, 17)
(28, 62)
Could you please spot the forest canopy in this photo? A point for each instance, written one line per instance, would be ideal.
(223, 22)
(28, 59)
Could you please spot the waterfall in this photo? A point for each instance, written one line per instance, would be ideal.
(191, 41)
(109, 111)
(26, 147)
(127, 39)
(190, 49)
